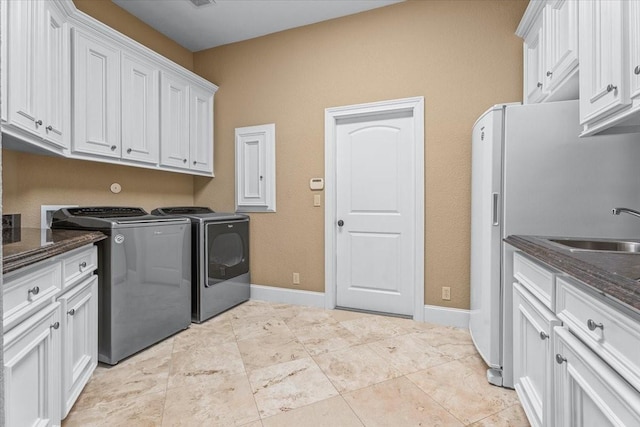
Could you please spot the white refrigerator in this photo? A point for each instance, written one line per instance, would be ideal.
(533, 175)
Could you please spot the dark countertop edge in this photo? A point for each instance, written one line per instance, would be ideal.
(24, 259)
(620, 289)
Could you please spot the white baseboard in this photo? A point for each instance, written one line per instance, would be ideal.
(446, 316)
(287, 296)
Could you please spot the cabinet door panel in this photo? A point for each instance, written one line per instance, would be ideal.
(602, 90)
(24, 49)
(80, 340)
(634, 48)
(56, 79)
(533, 356)
(96, 97)
(535, 89)
(589, 392)
(562, 41)
(201, 130)
(174, 115)
(31, 370)
(140, 111)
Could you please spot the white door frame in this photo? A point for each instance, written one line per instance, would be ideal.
(331, 117)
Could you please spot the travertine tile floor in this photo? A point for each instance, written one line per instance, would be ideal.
(263, 364)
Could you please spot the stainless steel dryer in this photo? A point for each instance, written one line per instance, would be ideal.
(144, 276)
(220, 259)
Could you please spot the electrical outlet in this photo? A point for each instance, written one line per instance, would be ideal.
(296, 278)
(446, 293)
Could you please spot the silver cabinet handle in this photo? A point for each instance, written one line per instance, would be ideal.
(184, 160)
(71, 312)
(549, 73)
(560, 359)
(34, 291)
(128, 150)
(38, 122)
(593, 325)
(49, 128)
(636, 70)
(195, 163)
(55, 325)
(340, 223)
(611, 88)
(543, 335)
(113, 148)
(539, 85)
(82, 265)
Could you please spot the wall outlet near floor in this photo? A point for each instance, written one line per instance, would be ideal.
(446, 293)
(296, 278)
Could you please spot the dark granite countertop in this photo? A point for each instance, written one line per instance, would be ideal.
(27, 246)
(614, 275)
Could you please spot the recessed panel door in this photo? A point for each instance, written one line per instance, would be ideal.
(375, 212)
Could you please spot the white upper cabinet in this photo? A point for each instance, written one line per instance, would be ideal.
(602, 85)
(186, 112)
(140, 110)
(550, 33)
(174, 116)
(74, 87)
(35, 67)
(96, 96)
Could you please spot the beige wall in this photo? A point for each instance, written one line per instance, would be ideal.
(462, 56)
(31, 180)
(117, 18)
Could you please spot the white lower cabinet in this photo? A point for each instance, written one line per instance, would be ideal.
(575, 355)
(589, 392)
(50, 324)
(79, 339)
(532, 356)
(32, 370)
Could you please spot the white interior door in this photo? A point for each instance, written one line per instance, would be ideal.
(375, 212)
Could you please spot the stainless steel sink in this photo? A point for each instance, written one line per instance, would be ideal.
(597, 245)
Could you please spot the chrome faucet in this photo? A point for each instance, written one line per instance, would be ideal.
(618, 211)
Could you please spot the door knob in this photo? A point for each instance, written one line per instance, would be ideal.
(340, 223)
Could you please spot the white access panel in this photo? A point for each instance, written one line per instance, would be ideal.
(255, 169)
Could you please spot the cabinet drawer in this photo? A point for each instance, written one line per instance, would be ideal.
(79, 264)
(537, 279)
(613, 334)
(28, 289)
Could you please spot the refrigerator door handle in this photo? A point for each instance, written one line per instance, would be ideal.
(494, 216)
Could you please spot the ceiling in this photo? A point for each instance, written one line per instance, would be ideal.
(228, 21)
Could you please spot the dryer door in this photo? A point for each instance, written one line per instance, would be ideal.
(227, 250)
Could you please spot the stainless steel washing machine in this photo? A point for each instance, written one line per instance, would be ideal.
(144, 276)
(220, 259)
